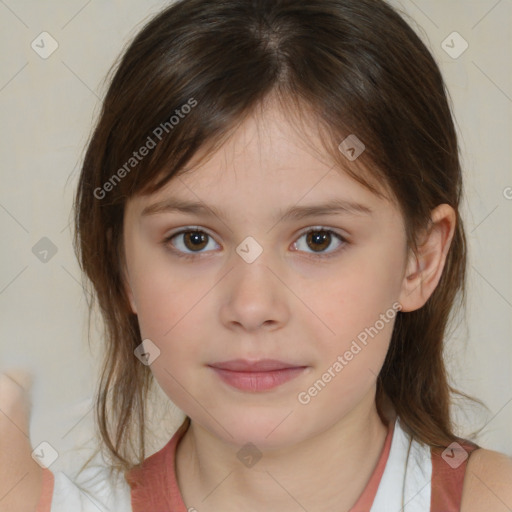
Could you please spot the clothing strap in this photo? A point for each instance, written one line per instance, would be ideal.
(153, 484)
(448, 470)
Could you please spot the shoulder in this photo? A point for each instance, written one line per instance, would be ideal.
(487, 482)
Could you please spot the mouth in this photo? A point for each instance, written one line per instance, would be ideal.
(255, 376)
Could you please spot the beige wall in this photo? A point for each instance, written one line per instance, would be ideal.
(48, 106)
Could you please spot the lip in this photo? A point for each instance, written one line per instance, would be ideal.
(261, 365)
(255, 376)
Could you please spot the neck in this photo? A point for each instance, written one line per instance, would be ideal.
(326, 472)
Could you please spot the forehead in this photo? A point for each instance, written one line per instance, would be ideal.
(266, 162)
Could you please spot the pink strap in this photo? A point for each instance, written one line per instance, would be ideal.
(154, 486)
(448, 475)
(365, 501)
(45, 500)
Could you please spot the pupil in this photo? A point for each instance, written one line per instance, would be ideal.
(319, 237)
(196, 238)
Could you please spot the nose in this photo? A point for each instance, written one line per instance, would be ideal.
(253, 296)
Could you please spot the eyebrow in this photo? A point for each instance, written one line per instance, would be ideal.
(331, 207)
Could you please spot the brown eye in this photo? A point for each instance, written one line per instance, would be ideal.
(188, 242)
(195, 240)
(319, 240)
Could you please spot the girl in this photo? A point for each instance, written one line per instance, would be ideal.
(268, 211)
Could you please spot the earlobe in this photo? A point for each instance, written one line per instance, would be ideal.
(425, 268)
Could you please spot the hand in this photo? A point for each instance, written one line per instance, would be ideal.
(15, 385)
(20, 475)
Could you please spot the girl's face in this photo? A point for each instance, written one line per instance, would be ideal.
(247, 282)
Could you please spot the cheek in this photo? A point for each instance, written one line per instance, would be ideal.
(360, 312)
(172, 312)
(170, 319)
(163, 295)
(357, 306)
(355, 298)
(168, 311)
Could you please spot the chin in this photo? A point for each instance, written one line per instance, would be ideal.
(266, 430)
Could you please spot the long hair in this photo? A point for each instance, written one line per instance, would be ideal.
(191, 75)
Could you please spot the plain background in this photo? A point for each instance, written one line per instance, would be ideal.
(48, 108)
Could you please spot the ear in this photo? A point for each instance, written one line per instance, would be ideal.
(424, 269)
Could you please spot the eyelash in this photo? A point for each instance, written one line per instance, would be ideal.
(191, 229)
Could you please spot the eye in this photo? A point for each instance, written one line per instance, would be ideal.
(319, 239)
(193, 240)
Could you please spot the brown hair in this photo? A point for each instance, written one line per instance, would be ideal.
(354, 66)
